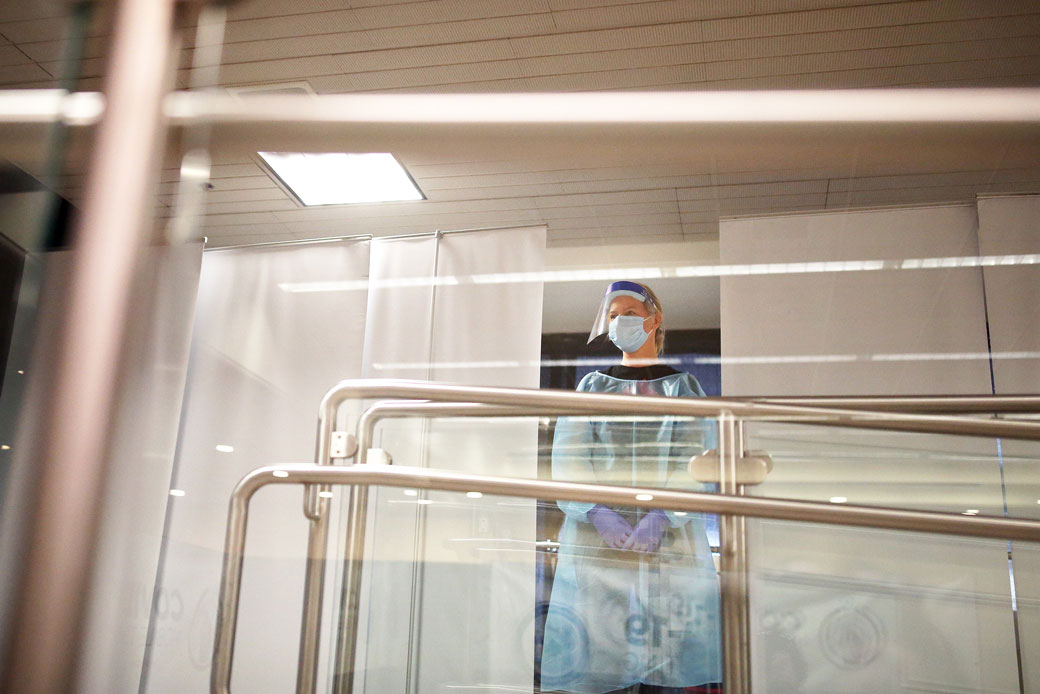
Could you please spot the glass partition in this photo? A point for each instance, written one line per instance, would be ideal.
(857, 608)
(1021, 464)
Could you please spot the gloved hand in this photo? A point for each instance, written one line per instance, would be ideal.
(614, 529)
(648, 532)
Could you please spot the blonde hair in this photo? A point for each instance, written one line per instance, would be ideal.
(655, 307)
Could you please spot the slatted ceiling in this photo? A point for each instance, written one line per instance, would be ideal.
(429, 223)
(750, 190)
(19, 10)
(403, 211)
(234, 207)
(565, 171)
(863, 198)
(24, 31)
(220, 195)
(604, 194)
(1023, 80)
(687, 187)
(721, 76)
(759, 202)
(228, 184)
(600, 240)
(968, 178)
(51, 51)
(964, 193)
(607, 222)
(362, 60)
(383, 15)
(256, 219)
(363, 38)
(634, 230)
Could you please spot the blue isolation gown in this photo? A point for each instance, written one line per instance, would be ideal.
(621, 617)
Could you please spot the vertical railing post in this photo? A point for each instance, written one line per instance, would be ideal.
(316, 508)
(736, 663)
(83, 361)
(350, 589)
(350, 598)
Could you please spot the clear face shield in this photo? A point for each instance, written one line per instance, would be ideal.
(601, 324)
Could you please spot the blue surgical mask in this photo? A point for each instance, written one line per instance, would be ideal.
(627, 333)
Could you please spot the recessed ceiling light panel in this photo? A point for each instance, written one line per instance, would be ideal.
(339, 178)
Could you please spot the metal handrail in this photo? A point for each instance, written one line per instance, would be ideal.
(421, 478)
(544, 401)
(916, 404)
(611, 403)
(368, 420)
(366, 423)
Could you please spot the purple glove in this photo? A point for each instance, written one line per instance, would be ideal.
(648, 532)
(614, 529)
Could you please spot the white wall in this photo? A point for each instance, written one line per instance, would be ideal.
(858, 610)
(853, 333)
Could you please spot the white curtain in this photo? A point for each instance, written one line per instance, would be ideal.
(436, 613)
(275, 328)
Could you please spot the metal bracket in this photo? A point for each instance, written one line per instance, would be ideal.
(379, 456)
(343, 445)
(752, 467)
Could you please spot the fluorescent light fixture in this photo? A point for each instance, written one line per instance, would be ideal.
(644, 497)
(5, 447)
(176, 492)
(325, 495)
(224, 448)
(838, 499)
(474, 495)
(971, 512)
(338, 178)
(679, 513)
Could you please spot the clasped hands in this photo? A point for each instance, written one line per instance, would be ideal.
(617, 533)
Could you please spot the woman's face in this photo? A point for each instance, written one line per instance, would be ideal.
(629, 306)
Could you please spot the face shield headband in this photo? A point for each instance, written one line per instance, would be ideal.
(601, 324)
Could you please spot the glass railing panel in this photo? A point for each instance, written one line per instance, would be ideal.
(426, 616)
(1021, 463)
(464, 576)
(493, 607)
(864, 610)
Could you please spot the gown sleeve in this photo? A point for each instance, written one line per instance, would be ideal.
(572, 454)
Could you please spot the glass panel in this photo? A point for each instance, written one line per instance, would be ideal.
(860, 610)
(1021, 460)
(492, 606)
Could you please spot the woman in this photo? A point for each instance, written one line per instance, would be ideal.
(635, 601)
